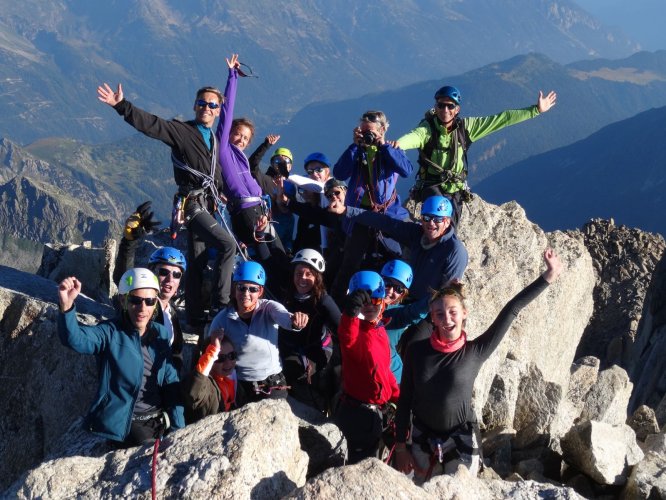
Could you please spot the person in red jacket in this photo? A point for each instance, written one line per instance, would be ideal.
(368, 384)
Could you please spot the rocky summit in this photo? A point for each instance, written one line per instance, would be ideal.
(558, 419)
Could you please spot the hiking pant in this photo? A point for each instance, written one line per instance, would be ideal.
(273, 387)
(461, 448)
(203, 232)
(361, 424)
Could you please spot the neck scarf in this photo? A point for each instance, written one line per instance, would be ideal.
(447, 346)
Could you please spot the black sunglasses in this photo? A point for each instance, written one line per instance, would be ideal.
(232, 356)
(333, 194)
(370, 117)
(136, 301)
(313, 170)
(399, 289)
(276, 160)
(247, 288)
(435, 219)
(202, 104)
(448, 105)
(164, 272)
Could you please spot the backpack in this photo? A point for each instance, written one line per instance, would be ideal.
(460, 139)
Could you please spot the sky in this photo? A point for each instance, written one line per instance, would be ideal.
(642, 20)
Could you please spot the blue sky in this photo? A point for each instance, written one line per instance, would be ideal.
(641, 20)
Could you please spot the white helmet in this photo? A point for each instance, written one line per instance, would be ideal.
(311, 257)
(138, 277)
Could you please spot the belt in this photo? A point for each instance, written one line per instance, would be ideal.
(355, 402)
(143, 417)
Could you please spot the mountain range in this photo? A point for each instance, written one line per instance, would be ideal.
(617, 172)
(54, 54)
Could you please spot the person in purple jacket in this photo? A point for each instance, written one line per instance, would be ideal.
(249, 212)
(371, 165)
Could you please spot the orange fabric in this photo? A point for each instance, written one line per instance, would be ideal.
(443, 346)
(226, 386)
(207, 359)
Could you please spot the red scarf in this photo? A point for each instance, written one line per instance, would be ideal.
(447, 346)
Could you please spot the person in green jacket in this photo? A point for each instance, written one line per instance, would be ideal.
(442, 139)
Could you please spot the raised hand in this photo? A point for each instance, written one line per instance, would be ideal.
(554, 265)
(233, 62)
(272, 139)
(544, 103)
(141, 222)
(108, 96)
(68, 290)
(216, 337)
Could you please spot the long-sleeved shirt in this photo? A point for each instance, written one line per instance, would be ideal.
(238, 181)
(432, 265)
(257, 343)
(476, 127)
(366, 359)
(437, 387)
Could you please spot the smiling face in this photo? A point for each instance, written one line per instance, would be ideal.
(247, 295)
(304, 278)
(203, 114)
(448, 315)
(371, 311)
(169, 278)
(140, 314)
(240, 136)
(392, 295)
(318, 171)
(224, 368)
(336, 199)
(447, 110)
(434, 230)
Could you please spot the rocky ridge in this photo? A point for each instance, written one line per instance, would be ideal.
(554, 424)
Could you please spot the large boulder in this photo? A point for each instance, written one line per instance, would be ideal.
(603, 451)
(253, 452)
(608, 398)
(45, 386)
(505, 254)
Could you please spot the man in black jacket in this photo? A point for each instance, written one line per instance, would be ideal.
(196, 172)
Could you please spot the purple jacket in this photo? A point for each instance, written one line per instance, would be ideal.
(388, 164)
(234, 166)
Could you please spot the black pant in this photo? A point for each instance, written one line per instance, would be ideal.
(273, 387)
(362, 428)
(205, 232)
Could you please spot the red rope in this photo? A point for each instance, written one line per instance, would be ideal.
(154, 470)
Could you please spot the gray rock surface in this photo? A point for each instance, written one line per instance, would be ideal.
(644, 422)
(253, 452)
(602, 451)
(608, 398)
(647, 479)
(505, 254)
(624, 261)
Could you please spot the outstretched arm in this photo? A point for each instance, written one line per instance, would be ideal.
(544, 103)
(553, 265)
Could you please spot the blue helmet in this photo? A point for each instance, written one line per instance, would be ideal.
(320, 157)
(450, 92)
(370, 281)
(398, 270)
(250, 271)
(439, 206)
(168, 255)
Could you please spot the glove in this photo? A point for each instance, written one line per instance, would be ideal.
(355, 301)
(140, 222)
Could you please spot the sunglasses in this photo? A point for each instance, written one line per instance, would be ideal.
(370, 117)
(246, 288)
(376, 301)
(399, 289)
(232, 356)
(448, 105)
(166, 272)
(333, 194)
(202, 104)
(433, 218)
(277, 160)
(136, 301)
(317, 170)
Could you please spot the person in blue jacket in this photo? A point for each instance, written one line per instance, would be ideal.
(371, 166)
(398, 276)
(138, 395)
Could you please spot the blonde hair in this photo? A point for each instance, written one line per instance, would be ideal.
(452, 289)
